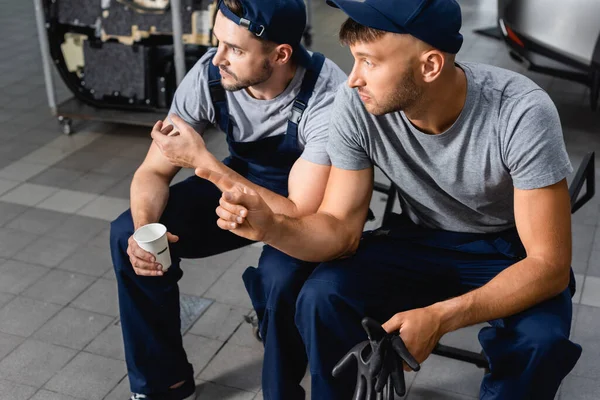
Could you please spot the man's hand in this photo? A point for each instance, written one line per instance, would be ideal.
(241, 209)
(143, 262)
(420, 329)
(181, 144)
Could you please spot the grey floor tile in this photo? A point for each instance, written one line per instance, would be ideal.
(201, 274)
(14, 391)
(121, 391)
(48, 395)
(101, 297)
(9, 211)
(17, 276)
(121, 189)
(16, 149)
(92, 182)
(583, 237)
(82, 161)
(104, 207)
(580, 260)
(73, 328)
(109, 343)
(80, 229)
(23, 316)
(586, 333)
(59, 287)
(34, 362)
(577, 388)
(5, 298)
(117, 167)
(579, 282)
(591, 292)
(67, 201)
(466, 338)
(37, 221)
(12, 241)
(200, 350)
(21, 171)
(235, 366)
(450, 375)
(88, 260)
(594, 264)
(28, 194)
(212, 391)
(229, 288)
(244, 336)
(46, 251)
(56, 177)
(8, 343)
(425, 393)
(102, 239)
(46, 156)
(72, 143)
(6, 185)
(191, 307)
(88, 376)
(219, 322)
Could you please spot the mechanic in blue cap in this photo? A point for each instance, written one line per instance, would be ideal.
(479, 161)
(272, 99)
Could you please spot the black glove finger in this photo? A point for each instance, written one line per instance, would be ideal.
(346, 362)
(397, 377)
(373, 328)
(382, 376)
(400, 348)
(388, 392)
(361, 388)
(381, 350)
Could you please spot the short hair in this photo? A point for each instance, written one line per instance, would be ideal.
(352, 32)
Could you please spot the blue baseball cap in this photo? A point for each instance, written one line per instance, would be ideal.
(280, 21)
(436, 22)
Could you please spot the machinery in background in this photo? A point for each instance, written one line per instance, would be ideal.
(119, 54)
(555, 37)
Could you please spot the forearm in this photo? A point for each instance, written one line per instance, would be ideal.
(276, 202)
(149, 196)
(515, 289)
(315, 238)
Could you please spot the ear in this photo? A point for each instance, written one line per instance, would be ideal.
(432, 65)
(283, 53)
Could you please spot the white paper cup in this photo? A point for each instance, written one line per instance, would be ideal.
(153, 239)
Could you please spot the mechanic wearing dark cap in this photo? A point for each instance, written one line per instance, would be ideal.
(478, 158)
(272, 99)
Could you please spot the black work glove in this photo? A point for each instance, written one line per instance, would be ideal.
(379, 364)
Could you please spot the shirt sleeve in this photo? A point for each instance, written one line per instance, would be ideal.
(346, 146)
(192, 101)
(315, 131)
(534, 148)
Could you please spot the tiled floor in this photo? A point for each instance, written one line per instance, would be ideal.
(59, 328)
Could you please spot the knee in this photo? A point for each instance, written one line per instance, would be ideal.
(282, 276)
(120, 231)
(318, 300)
(550, 345)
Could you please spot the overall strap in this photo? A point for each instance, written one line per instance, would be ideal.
(218, 97)
(306, 90)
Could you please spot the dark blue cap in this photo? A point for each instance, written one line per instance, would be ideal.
(436, 22)
(280, 21)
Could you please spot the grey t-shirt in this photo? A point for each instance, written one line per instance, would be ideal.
(508, 134)
(257, 119)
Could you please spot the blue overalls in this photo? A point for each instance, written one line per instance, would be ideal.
(149, 306)
(403, 266)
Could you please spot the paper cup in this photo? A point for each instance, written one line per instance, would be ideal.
(153, 239)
